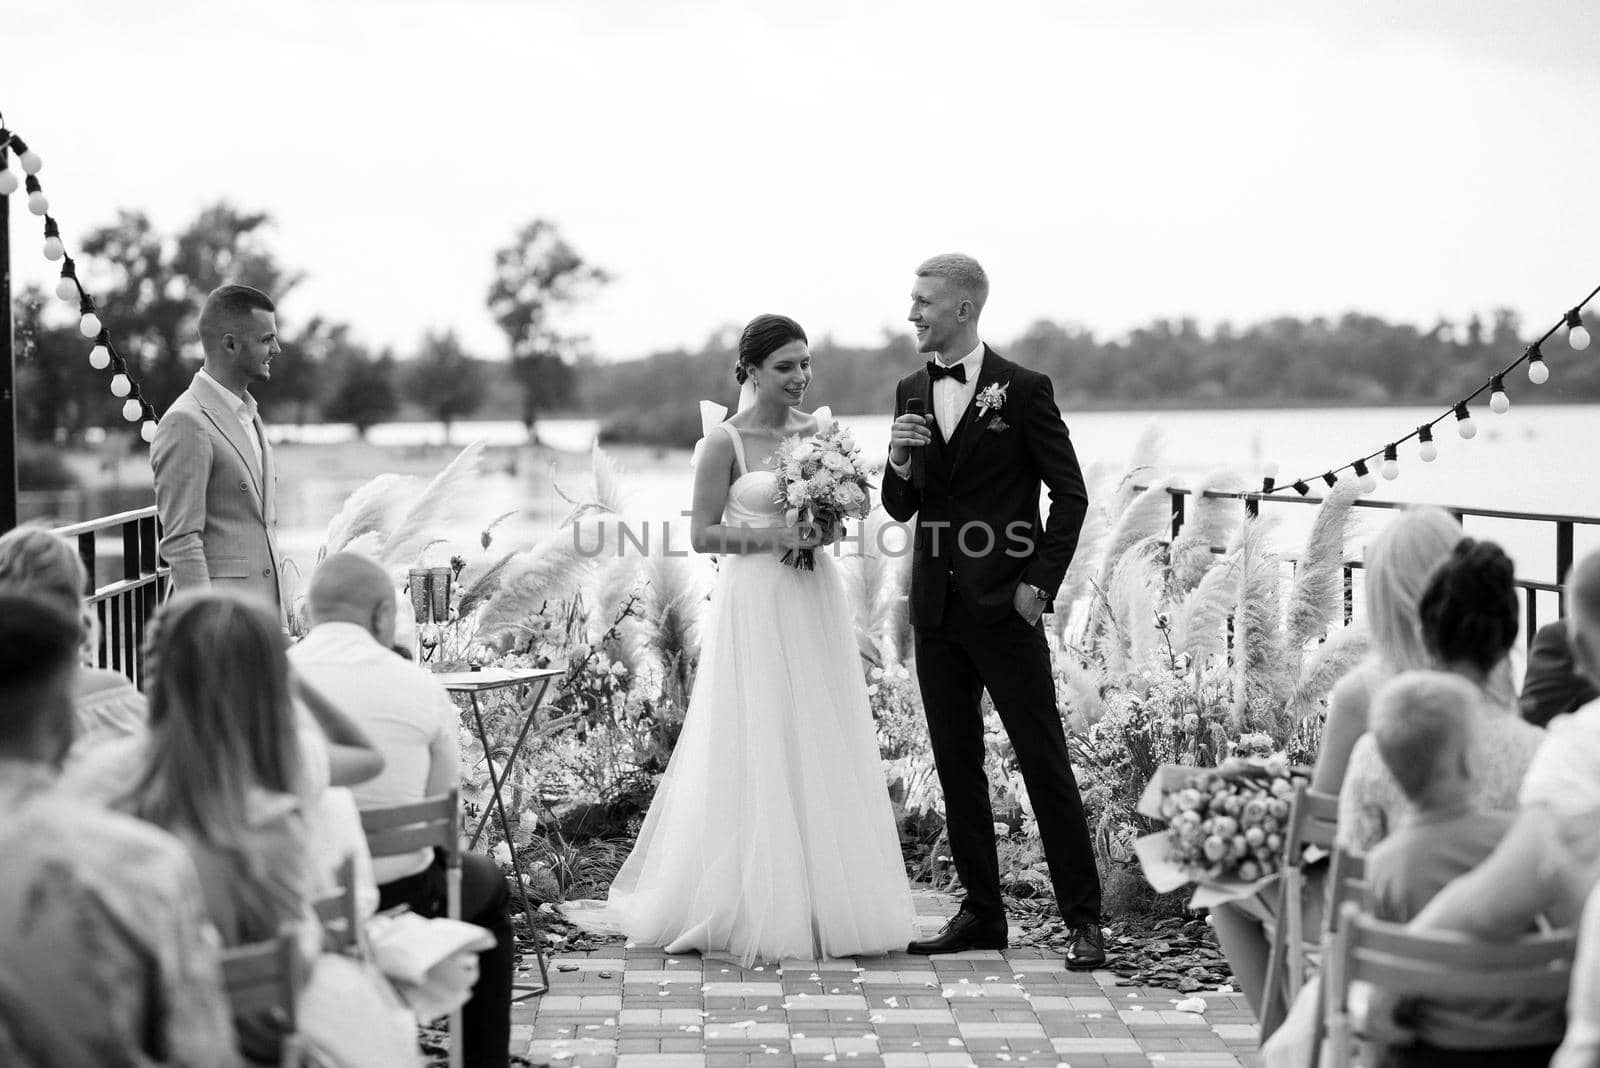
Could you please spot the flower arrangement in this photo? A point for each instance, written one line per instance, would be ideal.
(821, 479)
(1230, 824)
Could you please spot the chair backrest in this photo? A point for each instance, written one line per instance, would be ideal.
(340, 912)
(407, 828)
(265, 977)
(1347, 882)
(1313, 819)
(1444, 965)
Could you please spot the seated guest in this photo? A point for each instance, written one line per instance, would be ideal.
(1423, 726)
(1552, 686)
(1544, 865)
(1468, 616)
(106, 956)
(346, 656)
(1581, 1046)
(1398, 563)
(221, 769)
(106, 704)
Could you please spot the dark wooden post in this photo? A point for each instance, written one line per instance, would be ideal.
(8, 371)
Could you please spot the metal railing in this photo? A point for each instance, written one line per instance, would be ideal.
(125, 603)
(1563, 527)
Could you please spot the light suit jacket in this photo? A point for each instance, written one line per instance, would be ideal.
(218, 521)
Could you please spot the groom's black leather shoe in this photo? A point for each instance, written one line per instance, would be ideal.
(964, 931)
(1086, 948)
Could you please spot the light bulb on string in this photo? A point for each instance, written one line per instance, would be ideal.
(53, 248)
(1365, 479)
(133, 409)
(1427, 451)
(67, 286)
(121, 385)
(38, 203)
(30, 160)
(1391, 463)
(1301, 488)
(8, 180)
(1577, 333)
(1464, 424)
(88, 322)
(100, 355)
(1330, 478)
(1269, 476)
(1499, 402)
(147, 430)
(1538, 373)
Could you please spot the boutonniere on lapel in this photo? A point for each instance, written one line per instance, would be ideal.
(990, 399)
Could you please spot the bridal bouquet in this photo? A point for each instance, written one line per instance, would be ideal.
(821, 479)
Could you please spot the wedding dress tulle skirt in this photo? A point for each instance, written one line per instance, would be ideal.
(771, 836)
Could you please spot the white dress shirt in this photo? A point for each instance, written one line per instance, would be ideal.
(243, 409)
(951, 399)
(404, 709)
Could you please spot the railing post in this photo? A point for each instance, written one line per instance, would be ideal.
(1532, 623)
(1252, 507)
(9, 488)
(86, 554)
(1349, 594)
(1176, 497)
(1563, 562)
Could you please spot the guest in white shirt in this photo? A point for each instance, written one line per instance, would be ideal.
(347, 658)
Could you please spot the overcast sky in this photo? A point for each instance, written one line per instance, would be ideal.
(1108, 162)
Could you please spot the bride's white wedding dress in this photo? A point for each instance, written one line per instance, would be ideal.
(771, 836)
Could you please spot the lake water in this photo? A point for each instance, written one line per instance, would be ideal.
(1532, 458)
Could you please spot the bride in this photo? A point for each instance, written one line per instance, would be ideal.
(771, 835)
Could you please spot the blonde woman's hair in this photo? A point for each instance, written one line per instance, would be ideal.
(38, 561)
(222, 727)
(1399, 563)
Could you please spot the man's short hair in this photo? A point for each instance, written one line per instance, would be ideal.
(38, 640)
(1420, 719)
(226, 305)
(1583, 590)
(961, 271)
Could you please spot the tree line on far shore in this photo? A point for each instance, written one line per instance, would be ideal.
(148, 287)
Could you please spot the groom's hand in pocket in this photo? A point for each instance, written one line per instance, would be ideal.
(1028, 603)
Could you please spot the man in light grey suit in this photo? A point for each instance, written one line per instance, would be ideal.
(215, 480)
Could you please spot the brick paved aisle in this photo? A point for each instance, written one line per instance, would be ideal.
(633, 1007)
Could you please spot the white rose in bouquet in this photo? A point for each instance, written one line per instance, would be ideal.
(851, 496)
(834, 462)
(805, 451)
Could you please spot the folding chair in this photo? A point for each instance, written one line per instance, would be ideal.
(407, 828)
(1347, 884)
(265, 979)
(1438, 965)
(1313, 818)
(339, 912)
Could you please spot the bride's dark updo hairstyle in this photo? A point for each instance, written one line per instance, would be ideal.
(1469, 610)
(764, 335)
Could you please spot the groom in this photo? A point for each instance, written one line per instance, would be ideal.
(985, 569)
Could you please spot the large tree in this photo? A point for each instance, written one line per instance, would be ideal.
(445, 380)
(363, 388)
(149, 286)
(536, 277)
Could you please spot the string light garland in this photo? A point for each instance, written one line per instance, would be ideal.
(1427, 448)
(104, 355)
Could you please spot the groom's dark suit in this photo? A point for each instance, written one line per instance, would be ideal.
(979, 535)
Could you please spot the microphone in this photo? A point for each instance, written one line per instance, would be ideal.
(919, 477)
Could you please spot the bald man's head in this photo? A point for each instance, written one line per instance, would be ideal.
(351, 588)
(1583, 616)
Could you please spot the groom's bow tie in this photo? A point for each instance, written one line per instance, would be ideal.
(937, 370)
